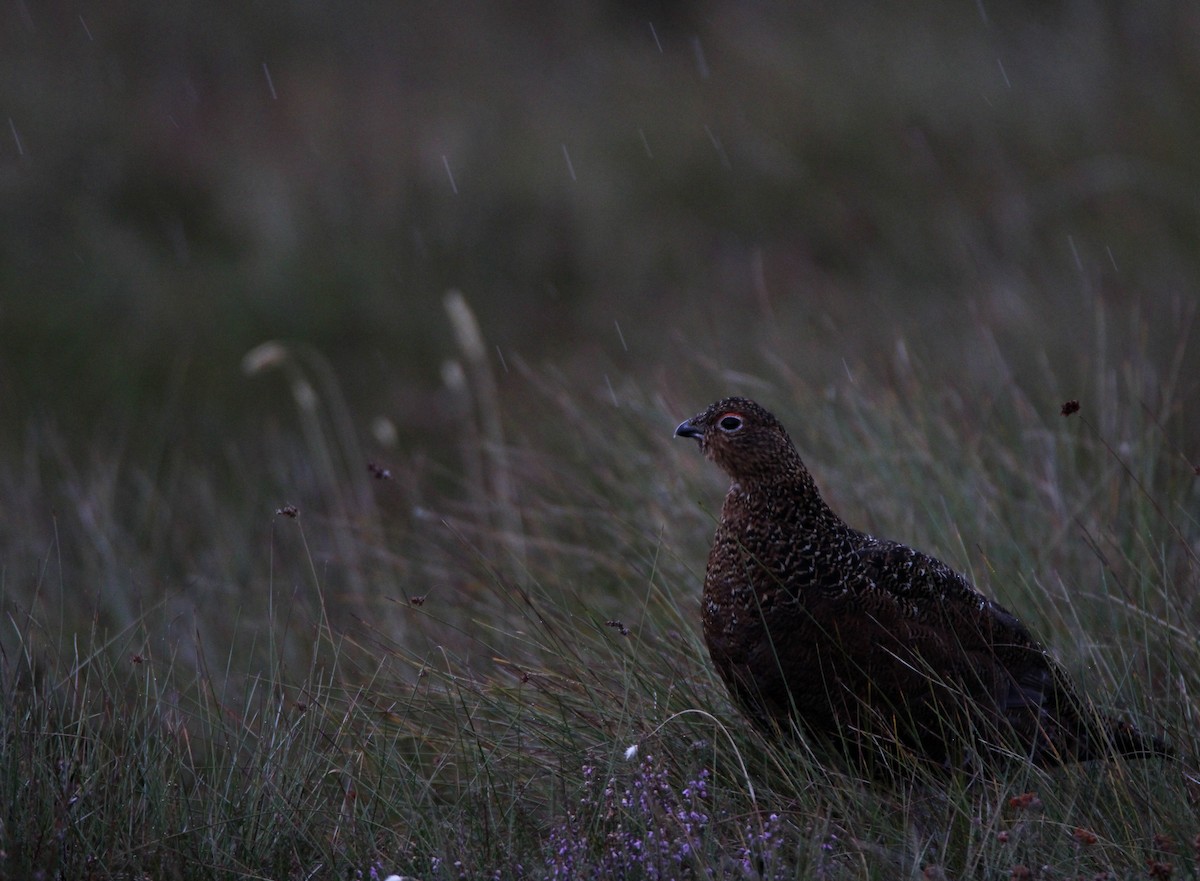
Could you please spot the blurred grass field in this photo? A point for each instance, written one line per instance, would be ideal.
(227, 234)
(183, 183)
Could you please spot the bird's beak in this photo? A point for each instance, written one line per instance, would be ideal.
(686, 429)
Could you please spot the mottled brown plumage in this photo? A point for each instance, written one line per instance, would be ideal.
(868, 643)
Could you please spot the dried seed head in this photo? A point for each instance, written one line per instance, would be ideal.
(263, 357)
(1165, 843)
(1070, 407)
(304, 395)
(1159, 870)
(1086, 837)
(1025, 801)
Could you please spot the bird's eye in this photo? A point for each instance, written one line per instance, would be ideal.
(730, 423)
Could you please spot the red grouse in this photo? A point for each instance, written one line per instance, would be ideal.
(868, 644)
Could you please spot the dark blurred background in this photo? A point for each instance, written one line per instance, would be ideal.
(632, 192)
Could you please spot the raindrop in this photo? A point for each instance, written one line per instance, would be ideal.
(16, 137)
(449, 174)
(620, 335)
(270, 83)
(645, 143)
(1075, 253)
(570, 166)
(1003, 72)
(718, 146)
(701, 62)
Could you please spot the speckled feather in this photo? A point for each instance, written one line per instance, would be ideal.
(868, 643)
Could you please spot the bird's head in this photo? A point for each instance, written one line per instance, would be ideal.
(745, 440)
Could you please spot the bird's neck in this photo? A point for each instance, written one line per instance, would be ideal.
(791, 496)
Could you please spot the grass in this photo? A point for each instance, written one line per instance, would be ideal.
(913, 236)
(416, 673)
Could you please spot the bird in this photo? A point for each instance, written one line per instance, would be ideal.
(867, 645)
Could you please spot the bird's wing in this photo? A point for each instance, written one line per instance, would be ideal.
(965, 637)
(934, 592)
(941, 602)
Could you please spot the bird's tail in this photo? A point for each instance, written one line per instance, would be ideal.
(1127, 740)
